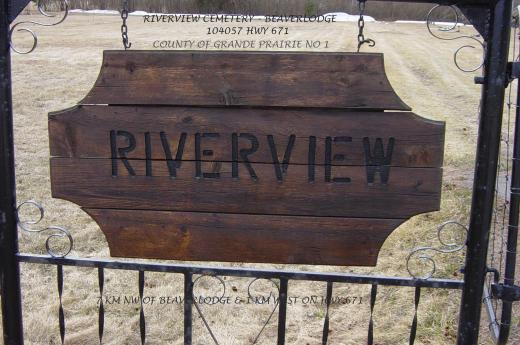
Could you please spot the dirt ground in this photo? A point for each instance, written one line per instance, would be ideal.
(64, 67)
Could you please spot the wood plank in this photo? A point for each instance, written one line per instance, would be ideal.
(322, 80)
(90, 183)
(85, 132)
(243, 238)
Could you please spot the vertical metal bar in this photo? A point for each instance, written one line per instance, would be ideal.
(188, 304)
(512, 234)
(492, 106)
(282, 312)
(10, 269)
(373, 296)
(142, 320)
(413, 330)
(61, 314)
(328, 299)
(101, 315)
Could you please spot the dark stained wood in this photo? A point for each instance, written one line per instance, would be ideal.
(322, 80)
(246, 156)
(246, 238)
(84, 132)
(88, 182)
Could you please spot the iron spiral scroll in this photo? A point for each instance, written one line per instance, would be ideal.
(56, 232)
(453, 33)
(17, 27)
(423, 253)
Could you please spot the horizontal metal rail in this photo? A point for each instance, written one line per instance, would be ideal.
(242, 272)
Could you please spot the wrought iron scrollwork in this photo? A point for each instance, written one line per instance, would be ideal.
(422, 253)
(274, 309)
(196, 304)
(250, 296)
(56, 232)
(16, 27)
(453, 28)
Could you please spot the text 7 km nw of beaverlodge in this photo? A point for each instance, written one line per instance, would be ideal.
(376, 159)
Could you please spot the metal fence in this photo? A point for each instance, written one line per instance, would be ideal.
(492, 18)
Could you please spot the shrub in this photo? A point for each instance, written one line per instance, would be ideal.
(311, 8)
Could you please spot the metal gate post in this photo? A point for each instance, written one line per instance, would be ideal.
(10, 270)
(492, 106)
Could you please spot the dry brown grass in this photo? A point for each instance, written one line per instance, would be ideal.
(63, 69)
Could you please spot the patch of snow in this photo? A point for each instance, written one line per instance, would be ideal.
(410, 22)
(141, 13)
(345, 17)
(423, 22)
(94, 11)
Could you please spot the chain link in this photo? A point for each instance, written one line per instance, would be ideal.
(124, 27)
(361, 26)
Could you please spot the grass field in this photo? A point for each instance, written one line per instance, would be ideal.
(61, 72)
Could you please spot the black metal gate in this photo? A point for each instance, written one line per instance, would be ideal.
(490, 18)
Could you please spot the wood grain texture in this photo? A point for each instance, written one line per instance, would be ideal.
(84, 132)
(89, 183)
(243, 238)
(322, 80)
(246, 156)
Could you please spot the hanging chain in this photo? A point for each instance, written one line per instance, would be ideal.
(124, 27)
(361, 26)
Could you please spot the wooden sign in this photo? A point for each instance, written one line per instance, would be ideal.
(246, 157)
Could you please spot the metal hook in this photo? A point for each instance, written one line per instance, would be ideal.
(361, 26)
